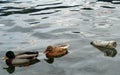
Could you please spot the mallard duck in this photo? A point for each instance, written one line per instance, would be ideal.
(20, 59)
(56, 51)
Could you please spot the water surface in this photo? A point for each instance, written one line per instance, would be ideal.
(32, 25)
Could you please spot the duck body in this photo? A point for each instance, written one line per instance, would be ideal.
(21, 59)
(56, 51)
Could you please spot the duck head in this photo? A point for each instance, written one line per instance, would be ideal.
(49, 49)
(9, 55)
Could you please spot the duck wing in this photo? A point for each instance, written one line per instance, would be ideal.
(27, 55)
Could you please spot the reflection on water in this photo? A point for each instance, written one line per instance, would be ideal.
(49, 60)
(11, 68)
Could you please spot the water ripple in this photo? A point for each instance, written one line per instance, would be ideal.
(19, 29)
(108, 7)
(49, 4)
(30, 25)
(46, 13)
(31, 10)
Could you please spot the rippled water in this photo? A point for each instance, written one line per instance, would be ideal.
(32, 25)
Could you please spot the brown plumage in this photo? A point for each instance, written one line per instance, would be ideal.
(56, 51)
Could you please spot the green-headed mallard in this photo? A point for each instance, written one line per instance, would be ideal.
(20, 59)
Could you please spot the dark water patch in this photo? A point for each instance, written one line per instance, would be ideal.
(6, 13)
(109, 7)
(49, 4)
(10, 9)
(87, 8)
(4, 2)
(2, 9)
(46, 13)
(105, 0)
(31, 10)
(1, 43)
(16, 2)
(34, 22)
(44, 17)
(13, 7)
(24, 42)
(75, 32)
(60, 7)
(74, 10)
(86, 19)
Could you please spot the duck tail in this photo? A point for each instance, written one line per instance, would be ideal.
(65, 46)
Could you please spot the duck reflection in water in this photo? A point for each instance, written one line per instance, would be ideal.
(111, 52)
(11, 67)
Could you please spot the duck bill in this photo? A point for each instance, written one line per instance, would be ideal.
(4, 58)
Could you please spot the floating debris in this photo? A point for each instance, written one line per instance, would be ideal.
(107, 47)
(105, 44)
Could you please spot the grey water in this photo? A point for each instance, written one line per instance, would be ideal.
(32, 25)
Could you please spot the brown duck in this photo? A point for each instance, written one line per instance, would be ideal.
(56, 51)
